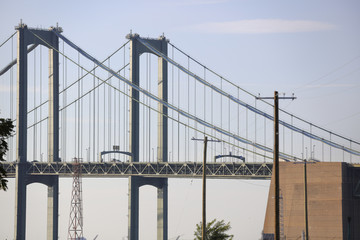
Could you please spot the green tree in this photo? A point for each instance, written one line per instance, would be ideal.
(6, 128)
(215, 230)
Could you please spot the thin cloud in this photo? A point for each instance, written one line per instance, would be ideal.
(263, 26)
(199, 2)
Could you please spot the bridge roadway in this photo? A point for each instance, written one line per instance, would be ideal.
(229, 170)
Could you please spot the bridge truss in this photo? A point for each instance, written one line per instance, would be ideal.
(147, 169)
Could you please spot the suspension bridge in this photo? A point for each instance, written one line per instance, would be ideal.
(133, 115)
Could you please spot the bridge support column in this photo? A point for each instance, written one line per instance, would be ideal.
(20, 202)
(136, 49)
(21, 138)
(53, 138)
(162, 205)
(47, 38)
(162, 210)
(133, 231)
(162, 196)
(53, 209)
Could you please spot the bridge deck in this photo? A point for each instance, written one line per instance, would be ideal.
(230, 170)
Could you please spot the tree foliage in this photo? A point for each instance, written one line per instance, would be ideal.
(6, 128)
(215, 230)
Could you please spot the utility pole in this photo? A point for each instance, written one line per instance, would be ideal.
(305, 203)
(306, 218)
(276, 159)
(204, 192)
(205, 140)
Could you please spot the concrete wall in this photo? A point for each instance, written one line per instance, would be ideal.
(330, 201)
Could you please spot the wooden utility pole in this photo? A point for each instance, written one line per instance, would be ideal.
(305, 202)
(275, 170)
(204, 192)
(205, 140)
(276, 165)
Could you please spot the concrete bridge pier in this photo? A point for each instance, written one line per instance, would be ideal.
(162, 205)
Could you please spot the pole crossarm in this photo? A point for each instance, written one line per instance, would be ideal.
(228, 170)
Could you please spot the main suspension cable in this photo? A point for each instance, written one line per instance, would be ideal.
(286, 112)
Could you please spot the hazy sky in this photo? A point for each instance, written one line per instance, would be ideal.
(310, 48)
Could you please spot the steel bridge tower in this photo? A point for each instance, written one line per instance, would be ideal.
(26, 37)
(75, 231)
(136, 49)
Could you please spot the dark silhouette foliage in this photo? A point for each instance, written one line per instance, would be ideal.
(6, 128)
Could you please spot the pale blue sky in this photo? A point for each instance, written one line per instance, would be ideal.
(310, 48)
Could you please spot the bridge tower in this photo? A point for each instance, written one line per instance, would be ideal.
(76, 211)
(136, 49)
(27, 36)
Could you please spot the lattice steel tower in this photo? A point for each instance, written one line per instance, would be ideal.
(76, 210)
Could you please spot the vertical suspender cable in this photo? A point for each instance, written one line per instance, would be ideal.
(94, 114)
(178, 122)
(195, 100)
(98, 120)
(247, 132)
(147, 110)
(188, 108)
(283, 139)
(120, 109)
(77, 111)
(81, 115)
(254, 148)
(125, 110)
(264, 138)
(127, 102)
(238, 116)
(63, 103)
(119, 115)
(311, 150)
(90, 123)
(350, 154)
(35, 112)
(115, 116)
(76, 133)
(303, 154)
(204, 98)
(221, 114)
(109, 113)
(149, 104)
(229, 139)
(104, 123)
(11, 146)
(172, 102)
(292, 136)
(330, 147)
(212, 121)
